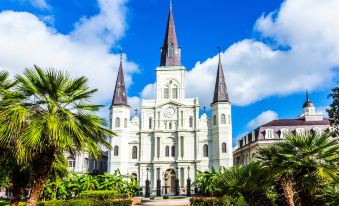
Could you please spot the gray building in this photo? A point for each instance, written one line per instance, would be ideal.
(274, 131)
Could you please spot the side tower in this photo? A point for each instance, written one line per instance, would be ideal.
(221, 154)
(119, 119)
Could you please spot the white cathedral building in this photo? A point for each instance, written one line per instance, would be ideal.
(170, 139)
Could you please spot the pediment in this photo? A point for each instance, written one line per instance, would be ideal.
(170, 103)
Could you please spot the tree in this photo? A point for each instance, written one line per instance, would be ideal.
(50, 112)
(249, 181)
(333, 111)
(14, 175)
(303, 164)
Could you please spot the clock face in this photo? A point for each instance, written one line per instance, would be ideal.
(169, 112)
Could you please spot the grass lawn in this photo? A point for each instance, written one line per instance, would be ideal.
(6, 202)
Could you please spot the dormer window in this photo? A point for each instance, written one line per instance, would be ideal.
(283, 133)
(269, 134)
(170, 52)
(317, 130)
(300, 131)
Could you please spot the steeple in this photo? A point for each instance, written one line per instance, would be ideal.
(220, 90)
(170, 51)
(308, 102)
(119, 97)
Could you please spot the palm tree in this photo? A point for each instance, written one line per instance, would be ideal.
(50, 112)
(249, 181)
(302, 164)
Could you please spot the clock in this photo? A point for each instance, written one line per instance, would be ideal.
(169, 112)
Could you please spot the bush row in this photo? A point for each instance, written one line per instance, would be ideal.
(217, 201)
(85, 202)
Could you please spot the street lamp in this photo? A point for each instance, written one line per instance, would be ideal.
(188, 184)
(177, 189)
(148, 192)
(165, 178)
(158, 183)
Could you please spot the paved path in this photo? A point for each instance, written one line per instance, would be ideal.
(169, 202)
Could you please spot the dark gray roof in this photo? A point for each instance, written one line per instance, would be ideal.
(295, 122)
(170, 39)
(220, 89)
(119, 97)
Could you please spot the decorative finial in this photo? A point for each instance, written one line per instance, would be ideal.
(219, 49)
(136, 112)
(307, 95)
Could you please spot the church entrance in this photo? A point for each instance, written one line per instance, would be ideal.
(169, 180)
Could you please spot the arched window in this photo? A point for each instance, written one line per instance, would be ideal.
(125, 122)
(86, 163)
(174, 93)
(116, 151)
(223, 148)
(166, 93)
(173, 151)
(134, 152)
(223, 119)
(283, 132)
(170, 125)
(300, 131)
(205, 150)
(269, 134)
(167, 151)
(214, 120)
(170, 50)
(117, 122)
(191, 121)
(150, 123)
(317, 130)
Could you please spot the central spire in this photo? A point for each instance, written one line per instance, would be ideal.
(170, 51)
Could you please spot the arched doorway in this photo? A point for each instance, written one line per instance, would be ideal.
(169, 180)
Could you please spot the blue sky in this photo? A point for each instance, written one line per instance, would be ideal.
(269, 59)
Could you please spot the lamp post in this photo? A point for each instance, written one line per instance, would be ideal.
(177, 189)
(188, 182)
(158, 183)
(147, 192)
(165, 178)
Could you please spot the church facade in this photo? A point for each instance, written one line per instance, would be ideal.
(170, 138)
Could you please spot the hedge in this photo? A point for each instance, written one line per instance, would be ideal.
(86, 202)
(99, 194)
(217, 201)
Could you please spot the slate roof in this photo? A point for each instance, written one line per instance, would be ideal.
(119, 97)
(220, 90)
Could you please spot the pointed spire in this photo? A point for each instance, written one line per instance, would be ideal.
(119, 97)
(220, 90)
(170, 51)
(308, 102)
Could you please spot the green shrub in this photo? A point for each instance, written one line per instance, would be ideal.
(218, 201)
(86, 202)
(99, 195)
(65, 203)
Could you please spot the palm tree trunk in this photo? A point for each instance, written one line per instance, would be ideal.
(41, 168)
(287, 187)
(20, 180)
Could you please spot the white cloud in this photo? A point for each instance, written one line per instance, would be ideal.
(109, 25)
(40, 4)
(26, 40)
(323, 109)
(304, 51)
(262, 118)
(149, 91)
